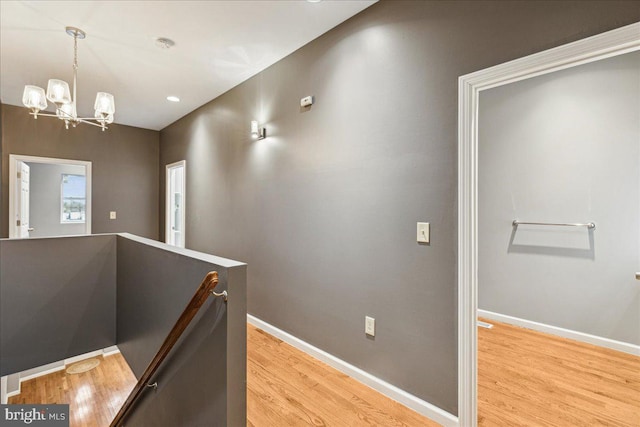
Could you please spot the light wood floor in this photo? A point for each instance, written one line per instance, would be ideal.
(285, 388)
(528, 378)
(525, 378)
(289, 388)
(94, 397)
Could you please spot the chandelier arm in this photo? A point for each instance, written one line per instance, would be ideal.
(82, 120)
(91, 123)
(43, 114)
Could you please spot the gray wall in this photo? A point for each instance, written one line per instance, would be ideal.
(45, 200)
(335, 195)
(563, 147)
(124, 165)
(324, 210)
(155, 283)
(61, 306)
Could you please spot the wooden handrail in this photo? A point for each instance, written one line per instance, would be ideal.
(199, 297)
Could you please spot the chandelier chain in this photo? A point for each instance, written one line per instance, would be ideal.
(75, 51)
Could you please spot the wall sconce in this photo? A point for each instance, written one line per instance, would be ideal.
(257, 132)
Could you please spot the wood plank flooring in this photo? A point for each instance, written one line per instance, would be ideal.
(289, 388)
(285, 388)
(94, 397)
(525, 378)
(529, 378)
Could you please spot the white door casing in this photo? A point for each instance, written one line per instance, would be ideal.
(176, 174)
(22, 192)
(14, 202)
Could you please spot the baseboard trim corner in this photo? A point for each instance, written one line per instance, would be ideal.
(12, 393)
(420, 406)
(561, 332)
(110, 351)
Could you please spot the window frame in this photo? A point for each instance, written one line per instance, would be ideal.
(62, 200)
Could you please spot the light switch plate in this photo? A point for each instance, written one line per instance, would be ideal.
(112, 215)
(423, 232)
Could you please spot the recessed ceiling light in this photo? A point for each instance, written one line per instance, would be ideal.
(173, 98)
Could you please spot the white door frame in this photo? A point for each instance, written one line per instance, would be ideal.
(167, 217)
(616, 42)
(13, 170)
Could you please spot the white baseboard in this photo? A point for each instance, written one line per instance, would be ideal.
(422, 407)
(11, 394)
(564, 333)
(80, 357)
(50, 368)
(110, 351)
(41, 371)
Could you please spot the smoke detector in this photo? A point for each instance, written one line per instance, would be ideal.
(164, 43)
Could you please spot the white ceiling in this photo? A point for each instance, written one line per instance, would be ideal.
(218, 44)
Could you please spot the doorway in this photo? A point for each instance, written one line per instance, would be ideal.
(175, 203)
(48, 197)
(558, 232)
(617, 42)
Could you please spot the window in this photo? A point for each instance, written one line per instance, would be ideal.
(74, 199)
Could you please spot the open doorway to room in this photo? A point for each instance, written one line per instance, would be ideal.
(558, 232)
(175, 206)
(48, 197)
(549, 236)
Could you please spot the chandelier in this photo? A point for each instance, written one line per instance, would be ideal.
(58, 92)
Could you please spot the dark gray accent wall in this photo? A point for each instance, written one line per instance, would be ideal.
(563, 147)
(62, 305)
(124, 167)
(203, 377)
(192, 382)
(325, 209)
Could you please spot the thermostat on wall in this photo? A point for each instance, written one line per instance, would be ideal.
(306, 101)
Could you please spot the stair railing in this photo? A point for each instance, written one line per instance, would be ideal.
(205, 289)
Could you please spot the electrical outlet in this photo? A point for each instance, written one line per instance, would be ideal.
(370, 326)
(112, 215)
